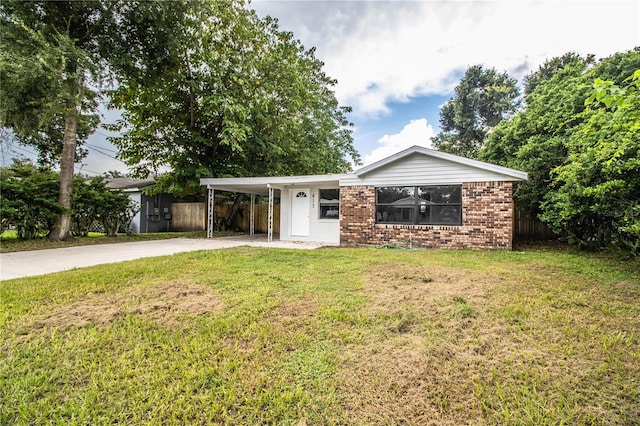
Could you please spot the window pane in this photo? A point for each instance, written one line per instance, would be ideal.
(435, 205)
(440, 205)
(392, 194)
(424, 214)
(394, 214)
(441, 194)
(330, 194)
(329, 203)
(424, 193)
(445, 215)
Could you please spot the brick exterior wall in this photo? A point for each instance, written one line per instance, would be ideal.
(487, 214)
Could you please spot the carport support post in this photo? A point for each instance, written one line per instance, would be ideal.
(270, 219)
(251, 216)
(211, 212)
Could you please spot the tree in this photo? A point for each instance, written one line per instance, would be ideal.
(209, 89)
(482, 99)
(582, 158)
(537, 139)
(99, 208)
(239, 98)
(53, 54)
(114, 174)
(597, 197)
(50, 59)
(550, 68)
(28, 202)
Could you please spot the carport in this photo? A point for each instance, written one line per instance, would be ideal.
(251, 186)
(266, 186)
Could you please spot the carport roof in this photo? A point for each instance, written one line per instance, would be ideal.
(260, 185)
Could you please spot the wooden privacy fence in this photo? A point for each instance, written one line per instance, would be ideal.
(260, 216)
(529, 227)
(193, 216)
(188, 217)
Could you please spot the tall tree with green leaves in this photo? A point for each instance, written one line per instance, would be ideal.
(49, 61)
(537, 139)
(551, 67)
(482, 99)
(596, 196)
(240, 97)
(208, 89)
(581, 158)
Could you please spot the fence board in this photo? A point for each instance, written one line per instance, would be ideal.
(188, 217)
(243, 218)
(529, 227)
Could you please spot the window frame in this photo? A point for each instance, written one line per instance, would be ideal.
(418, 206)
(320, 204)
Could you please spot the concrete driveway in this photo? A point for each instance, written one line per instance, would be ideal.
(40, 262)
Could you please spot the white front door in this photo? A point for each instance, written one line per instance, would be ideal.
(300, 212)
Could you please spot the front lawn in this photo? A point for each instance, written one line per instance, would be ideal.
(329, 336)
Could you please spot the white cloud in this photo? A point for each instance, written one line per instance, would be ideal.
(383, 51)
(417, 132)
(391, 51)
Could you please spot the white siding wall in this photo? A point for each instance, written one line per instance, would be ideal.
(320, 230)
(135, 223)
(418, 169)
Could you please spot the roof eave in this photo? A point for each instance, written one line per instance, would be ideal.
(260, 185)
(275, 180)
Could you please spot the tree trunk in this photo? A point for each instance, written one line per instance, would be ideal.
(228, 223)
(62, 226)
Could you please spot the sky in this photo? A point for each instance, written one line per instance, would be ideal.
(397, 62)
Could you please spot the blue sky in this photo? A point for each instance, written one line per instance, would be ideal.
(418, 117)
(397, 62)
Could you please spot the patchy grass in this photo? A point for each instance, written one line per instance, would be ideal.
(10, 243)
(330, 336)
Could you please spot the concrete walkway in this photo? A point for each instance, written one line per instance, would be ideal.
(39, 262)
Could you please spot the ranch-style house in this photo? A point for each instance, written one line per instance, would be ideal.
(419, 198)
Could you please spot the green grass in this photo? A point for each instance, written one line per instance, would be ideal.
(329, 336)
(10, 243)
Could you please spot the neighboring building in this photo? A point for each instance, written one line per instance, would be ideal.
(155, 210)
(418, 198)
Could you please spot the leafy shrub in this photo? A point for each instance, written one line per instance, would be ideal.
(596, 201)
(100, 209)
(28, 203)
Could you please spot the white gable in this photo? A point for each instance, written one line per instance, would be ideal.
(417, 167)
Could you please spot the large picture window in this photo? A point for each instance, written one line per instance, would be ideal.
(419, 205)
(329, 204)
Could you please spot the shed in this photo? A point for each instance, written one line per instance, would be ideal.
(154, 214)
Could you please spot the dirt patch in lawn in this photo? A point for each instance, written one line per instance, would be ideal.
(425, 288)
(166, 303)
(295, 309)
(419, 366)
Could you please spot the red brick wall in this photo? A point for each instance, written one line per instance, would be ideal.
(486, 220)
